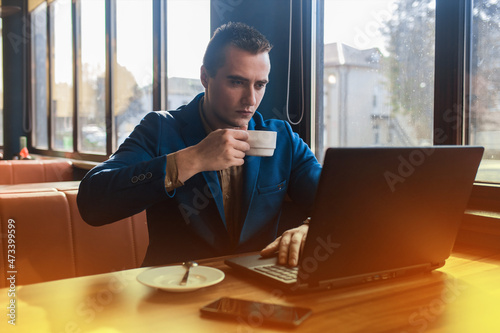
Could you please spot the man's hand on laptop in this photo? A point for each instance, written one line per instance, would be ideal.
(289, 246)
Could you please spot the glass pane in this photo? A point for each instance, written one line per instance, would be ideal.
(91, 88)
(184, 67)
(378, 73)
(39, 75)
(62, 75)
(133, 75)
(484, 95)
(1, 87)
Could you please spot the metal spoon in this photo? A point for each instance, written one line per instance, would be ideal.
(188, 266)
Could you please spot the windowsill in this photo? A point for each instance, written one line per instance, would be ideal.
(480, 229)
(481, 223)
(84, 165)
(80, 164)
(485, 198)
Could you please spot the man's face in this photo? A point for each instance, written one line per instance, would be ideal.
(233, 95)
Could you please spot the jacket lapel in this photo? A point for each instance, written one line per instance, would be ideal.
(192, 133)
(250, 174)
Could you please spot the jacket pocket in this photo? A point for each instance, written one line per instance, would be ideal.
(271, 189)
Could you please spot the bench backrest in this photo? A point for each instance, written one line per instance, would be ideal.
(35, 171)
(51, 241)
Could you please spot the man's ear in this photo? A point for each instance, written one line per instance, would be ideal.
(204, 76)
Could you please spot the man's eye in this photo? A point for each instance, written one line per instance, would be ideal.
(236, 82)
(260, 86)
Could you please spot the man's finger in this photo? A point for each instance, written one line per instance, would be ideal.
(241, 146)
(284, 248)
(271, 248)
(294, 249)
(239, 134)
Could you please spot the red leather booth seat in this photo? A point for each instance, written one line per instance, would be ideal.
(53, 242)
(35, 171)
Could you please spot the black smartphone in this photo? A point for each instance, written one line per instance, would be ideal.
(255, 314)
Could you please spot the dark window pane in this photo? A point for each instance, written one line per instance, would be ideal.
(39, 75)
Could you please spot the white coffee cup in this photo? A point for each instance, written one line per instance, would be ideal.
(262, 143)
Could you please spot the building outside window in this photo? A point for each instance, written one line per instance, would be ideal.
(378, 72)
(383, 51)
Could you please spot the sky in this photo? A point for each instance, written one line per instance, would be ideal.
(356, 22)
(187, 46)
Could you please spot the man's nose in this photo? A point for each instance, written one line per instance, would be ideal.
(249, 97)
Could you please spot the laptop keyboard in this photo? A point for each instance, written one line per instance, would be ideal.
(284, 273)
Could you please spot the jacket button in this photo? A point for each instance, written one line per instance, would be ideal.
(149, 175)
(142, 177)
(134, 179)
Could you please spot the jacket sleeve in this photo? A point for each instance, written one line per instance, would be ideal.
(129, 181)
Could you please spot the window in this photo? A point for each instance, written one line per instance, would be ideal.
(96, 62)
(466, 80)
(61, 75)
(39, 76)
(378, 73)
(484, 91)
(133, 74)
(91, 78)
(184, 67)
(1, 88)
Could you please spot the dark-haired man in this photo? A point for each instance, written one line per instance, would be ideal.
(188, 168)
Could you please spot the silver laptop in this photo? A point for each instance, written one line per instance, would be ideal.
(379, 213)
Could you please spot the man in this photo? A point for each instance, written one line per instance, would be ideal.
(188, 168)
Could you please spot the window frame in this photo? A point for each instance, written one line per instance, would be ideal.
(453, 52)
(159, 77)
(481, 222)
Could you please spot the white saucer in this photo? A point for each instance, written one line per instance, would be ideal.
(168, 278)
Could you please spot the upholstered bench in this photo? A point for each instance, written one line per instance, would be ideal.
(51, 241)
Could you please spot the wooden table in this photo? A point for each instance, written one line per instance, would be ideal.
(463, 296)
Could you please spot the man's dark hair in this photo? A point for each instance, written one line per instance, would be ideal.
(236, 34)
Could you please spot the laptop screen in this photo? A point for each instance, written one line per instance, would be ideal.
(379, 209)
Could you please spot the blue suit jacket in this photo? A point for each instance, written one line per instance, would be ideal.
(190, 223)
